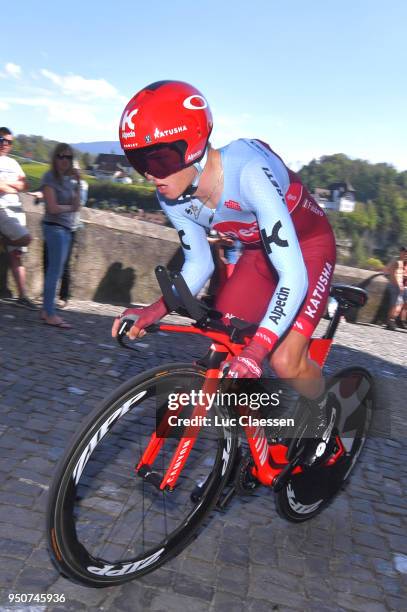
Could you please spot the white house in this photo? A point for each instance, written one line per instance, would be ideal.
(338, 196)
(109, 166)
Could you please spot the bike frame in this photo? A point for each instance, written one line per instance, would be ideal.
(269, 459)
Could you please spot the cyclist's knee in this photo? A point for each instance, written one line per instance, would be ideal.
(288, 364)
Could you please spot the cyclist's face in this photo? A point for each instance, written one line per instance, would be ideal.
(174, 185)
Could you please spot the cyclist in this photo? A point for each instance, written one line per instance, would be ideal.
(244, 191)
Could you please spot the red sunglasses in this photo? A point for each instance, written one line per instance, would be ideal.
(159, 160)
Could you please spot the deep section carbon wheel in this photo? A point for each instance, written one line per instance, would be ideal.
(306, 493)
(108, 520)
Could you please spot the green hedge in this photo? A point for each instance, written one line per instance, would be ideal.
(373, 263)
(102, 194)
(116, 194)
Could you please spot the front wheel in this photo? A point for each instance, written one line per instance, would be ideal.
(109, 521)
(309, 491)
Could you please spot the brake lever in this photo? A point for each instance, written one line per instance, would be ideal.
(126, 324)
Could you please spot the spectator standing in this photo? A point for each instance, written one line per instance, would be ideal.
(60, 187)
(402, 319)
(12, 217)
(395, 271)
(64, 289)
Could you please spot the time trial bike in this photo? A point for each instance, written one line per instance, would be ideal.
(140, 478)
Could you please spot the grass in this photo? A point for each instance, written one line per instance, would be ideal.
(34, 173)
(35, 170)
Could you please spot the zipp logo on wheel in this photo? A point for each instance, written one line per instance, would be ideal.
(102, 431)
(120, 569)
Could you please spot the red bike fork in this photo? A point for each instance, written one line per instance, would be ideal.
(157, 440)
(187, 441)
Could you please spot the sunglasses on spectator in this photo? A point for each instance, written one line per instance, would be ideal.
(61, 156)
(5, 141)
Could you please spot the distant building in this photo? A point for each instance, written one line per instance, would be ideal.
(338, 196)
(109, 166)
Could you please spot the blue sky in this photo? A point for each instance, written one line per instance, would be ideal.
(310, 78)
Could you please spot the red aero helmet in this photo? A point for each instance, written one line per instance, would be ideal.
(165, 127)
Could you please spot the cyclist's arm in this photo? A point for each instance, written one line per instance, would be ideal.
(198, 266)
(281, 244)
(197, 269)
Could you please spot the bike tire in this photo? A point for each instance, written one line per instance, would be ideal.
(72, 521)
(307, 493)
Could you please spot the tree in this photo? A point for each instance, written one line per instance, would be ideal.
(380, 216)
(86, 160)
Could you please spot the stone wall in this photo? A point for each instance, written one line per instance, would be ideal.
(115, 257)
(375, 284)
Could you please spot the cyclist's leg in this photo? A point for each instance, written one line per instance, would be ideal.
(291, 359)
(247, 292)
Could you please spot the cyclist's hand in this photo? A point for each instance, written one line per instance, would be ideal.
(244, 367)
(143, 318)
(136, 331)
(249, 363)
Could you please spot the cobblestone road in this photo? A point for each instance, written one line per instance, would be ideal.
(351, 557)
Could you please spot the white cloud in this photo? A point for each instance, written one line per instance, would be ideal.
(92, 122)
(84, 89)
(13, 70)
(63, 104)
(61, 111)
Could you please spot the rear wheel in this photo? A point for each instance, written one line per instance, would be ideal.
(109, 522)
(309, 491)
